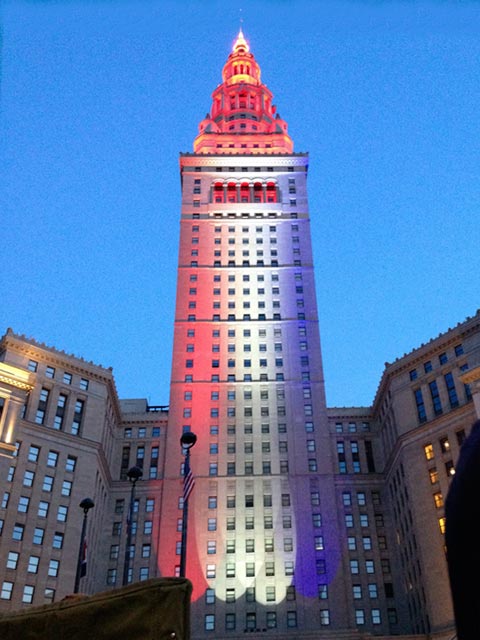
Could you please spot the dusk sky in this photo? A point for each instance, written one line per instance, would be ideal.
(98, 99)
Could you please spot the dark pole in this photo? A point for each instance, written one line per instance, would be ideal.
(133, 475)
(187, 441)
(85, 504)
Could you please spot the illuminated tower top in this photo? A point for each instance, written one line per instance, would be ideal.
(243, 119)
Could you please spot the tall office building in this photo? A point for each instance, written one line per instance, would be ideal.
(247, 374)
(305, 521)
(247, 371)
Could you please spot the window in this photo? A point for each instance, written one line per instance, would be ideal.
(70, 463)
(33, 562)
(422, 416)
(23, 503)
(211, 547)
(53, 568)
(12, 559)
(42, 406)
(66, 488)
(58, 540)
(319, 546)
(317, 520)
(6, 592)
(28, 477)
(291, 619)
(437, 405)
(428, 450)
(376, 617)
(369, 566)
(43, 509)
(359, 616)
(444, 445)
(18, 530)
(212, 524)
(38, 534)
(324, 615)
(452, 393)
(62, 513)
(33, 453)
(111, 576)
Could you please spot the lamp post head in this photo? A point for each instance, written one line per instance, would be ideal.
(188, 439)
(86, 504)
(134, 474)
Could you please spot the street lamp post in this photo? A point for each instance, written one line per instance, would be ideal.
(187, 441)
(133, 474)
(85, 504)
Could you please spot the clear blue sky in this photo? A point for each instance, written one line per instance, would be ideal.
(99, 98)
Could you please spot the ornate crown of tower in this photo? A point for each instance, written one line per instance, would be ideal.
(243, 119)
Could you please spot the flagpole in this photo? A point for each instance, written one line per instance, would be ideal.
(85, 504)
(187, 441)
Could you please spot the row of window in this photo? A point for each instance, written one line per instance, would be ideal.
(266, 467)
(290, 620)
(50, 372)
(33, 562)
(231, 500)
(52, 459)
(43, 507)
(18, 532)
(246, 263)
(38, 536)
(436, 400)
(60, 411)
(263, 393)
(249, 523)
(141, 432)
(47, 482)
(143, 574)
(351, 427)
(442, 359)
(27, 593)
(234, 169)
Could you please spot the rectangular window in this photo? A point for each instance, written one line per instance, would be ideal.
(62, 513)
(33, 562)
(437, 405)
(6, 592)
(452, 393)
(422, 416)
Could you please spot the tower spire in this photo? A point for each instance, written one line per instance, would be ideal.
(242, 118)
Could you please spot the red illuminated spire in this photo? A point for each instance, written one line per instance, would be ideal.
(243, 119)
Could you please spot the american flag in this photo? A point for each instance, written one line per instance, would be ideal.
(188, 484)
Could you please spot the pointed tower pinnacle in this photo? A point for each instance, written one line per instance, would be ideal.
(242, 119)
(240, 43)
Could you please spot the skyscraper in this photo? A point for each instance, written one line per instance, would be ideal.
(247, 374)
